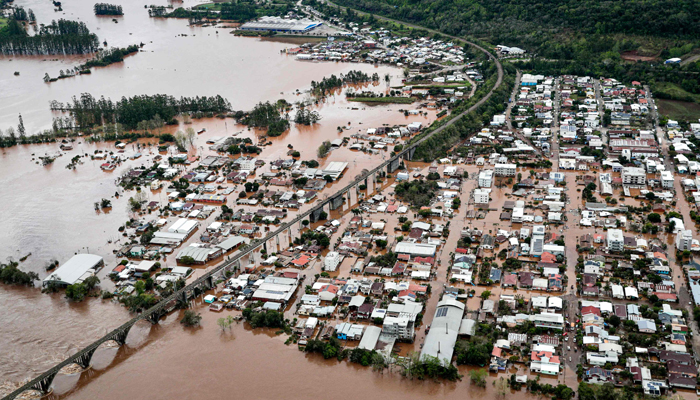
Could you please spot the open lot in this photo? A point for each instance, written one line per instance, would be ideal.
(679, 109)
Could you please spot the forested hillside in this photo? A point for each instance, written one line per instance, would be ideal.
(553, 28)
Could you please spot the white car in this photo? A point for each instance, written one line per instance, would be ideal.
(568, 348)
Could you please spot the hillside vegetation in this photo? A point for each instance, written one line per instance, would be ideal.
(535, 24)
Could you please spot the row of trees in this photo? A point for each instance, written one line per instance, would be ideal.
(59, 37)
(108, 9)
(20, 14)
(111, 56)
(88, 111)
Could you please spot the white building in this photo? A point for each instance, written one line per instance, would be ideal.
(486, 178)
(684, 239)
(634, 176)
(246, 163)
(481, 196)
(75, 270)
(616, 240)
(667, 179)
(506, 169)
(331, 262)
(401, 327)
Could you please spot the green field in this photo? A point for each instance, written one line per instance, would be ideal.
(209, 6)
(383, 100)
(675, 91)
(679, 110)
(3, 22)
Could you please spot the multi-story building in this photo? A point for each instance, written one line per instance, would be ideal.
(616, 240)
(401, 327)
(486, 178)
(684, 239)
(481, 196)
(667, 179)
(634, 176)
(505, 169)
(331, 262)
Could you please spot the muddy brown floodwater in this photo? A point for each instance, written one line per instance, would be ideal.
(48, 211)
(173, 362)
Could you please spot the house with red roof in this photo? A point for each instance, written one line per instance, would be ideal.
(548, 257)
(301, 261)
(590, 310)
(544, 362)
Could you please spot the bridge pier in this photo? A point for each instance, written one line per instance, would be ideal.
(183, 299)
(336, 202)
(154, 317)
(84, 359)
(408, 155)
(393, 165)
(120, 337)
(315, 215)
(44, 385)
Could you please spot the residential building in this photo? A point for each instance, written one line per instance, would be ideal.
(331, 261)
(486, 178)
(684, 239)
(667, 179)
(481, 196)
(634, 176)
(616, 240)
(505, 169)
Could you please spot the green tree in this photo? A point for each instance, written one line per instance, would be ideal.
(191, 318)
(478, 377)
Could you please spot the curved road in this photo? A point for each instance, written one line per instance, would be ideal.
(156, 311)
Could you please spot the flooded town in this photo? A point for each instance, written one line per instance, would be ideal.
(292, 194)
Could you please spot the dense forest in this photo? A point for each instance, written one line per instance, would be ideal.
(62, 37)
(509, 19)
(108, 9)
(88, 111)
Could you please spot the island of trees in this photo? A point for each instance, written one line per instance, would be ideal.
(103, 58)
(58, 37)
(333, 82)
(87, 111)
(268, 115)
(108, 9)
